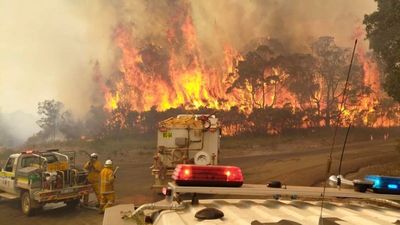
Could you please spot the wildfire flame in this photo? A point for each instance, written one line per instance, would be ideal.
(191, 85)
(155, 77)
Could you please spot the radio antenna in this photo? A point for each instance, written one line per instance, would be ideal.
(339, 178)
(342, 104)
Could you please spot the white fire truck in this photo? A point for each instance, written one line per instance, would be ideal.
(186, 202)
(185, 139)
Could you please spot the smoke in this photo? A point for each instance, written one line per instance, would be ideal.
(296, 23)
(15, 128)
(48, 49)
(241, 23)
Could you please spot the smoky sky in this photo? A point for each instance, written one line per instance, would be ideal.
(48, 48)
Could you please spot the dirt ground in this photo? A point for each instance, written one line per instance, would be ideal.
(260, 164)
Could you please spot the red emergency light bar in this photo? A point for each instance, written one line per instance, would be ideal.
(162, 129)
(28, 152)
(214, 176)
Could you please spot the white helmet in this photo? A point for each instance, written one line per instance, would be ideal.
(108, 163)
(94, 155)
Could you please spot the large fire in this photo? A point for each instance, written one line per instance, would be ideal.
(190, 83)
(177, 75)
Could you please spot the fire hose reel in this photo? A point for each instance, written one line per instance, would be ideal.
(202, 158)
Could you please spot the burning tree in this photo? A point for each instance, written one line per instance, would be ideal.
(265, 82)
(251, 76)
(303, 82)
(332, 62)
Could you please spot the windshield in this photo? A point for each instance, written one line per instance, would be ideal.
(36, 161)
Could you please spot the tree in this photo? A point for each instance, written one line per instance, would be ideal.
(332, 65)
(49, 112)
(251, 75)
(302, 80)
(95, 121)
(383, 32)
(256, 74)
(69, 127)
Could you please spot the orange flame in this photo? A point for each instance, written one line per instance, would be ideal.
(180, 78)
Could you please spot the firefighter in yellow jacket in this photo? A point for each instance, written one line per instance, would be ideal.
(93, 166)
(107, 178)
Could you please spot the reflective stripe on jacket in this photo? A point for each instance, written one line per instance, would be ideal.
(106, 181)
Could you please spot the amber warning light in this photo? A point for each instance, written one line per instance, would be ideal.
(218, 176)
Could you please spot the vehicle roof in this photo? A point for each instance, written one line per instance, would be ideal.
(15, 155)
(188, 120)
(281, 212)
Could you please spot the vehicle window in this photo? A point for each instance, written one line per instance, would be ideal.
(9, 165)
(30, 161)
(51, 158)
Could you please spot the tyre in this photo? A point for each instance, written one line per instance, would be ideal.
(26, 204)
(72, 204)
(362, 185)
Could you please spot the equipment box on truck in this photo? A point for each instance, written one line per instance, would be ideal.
(188, 139)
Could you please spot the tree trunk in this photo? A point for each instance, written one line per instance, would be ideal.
(273, 97)
(328, 108)
(263, 95)
(253, 100)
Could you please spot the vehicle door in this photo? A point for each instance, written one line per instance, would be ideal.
(7, 175)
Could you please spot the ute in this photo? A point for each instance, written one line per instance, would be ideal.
(185, 139)
(43, 177)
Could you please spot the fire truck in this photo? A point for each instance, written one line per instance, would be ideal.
(199, 191)
(40, 177)
(217, 195)
(185, 139)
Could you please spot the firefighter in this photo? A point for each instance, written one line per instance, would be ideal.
(93, 166)
(107, 177)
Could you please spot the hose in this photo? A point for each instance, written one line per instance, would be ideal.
(153, 206)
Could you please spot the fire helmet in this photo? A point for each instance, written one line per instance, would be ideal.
(108, 163)
(94, 155)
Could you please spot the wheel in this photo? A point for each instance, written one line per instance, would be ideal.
(72, 204)
(26, 204)
(362, 185)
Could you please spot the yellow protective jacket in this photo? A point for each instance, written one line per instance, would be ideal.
(107, 181)
(94, 169)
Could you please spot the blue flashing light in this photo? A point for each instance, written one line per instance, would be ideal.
(385, 184)
(377, 182)
(375, 179)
